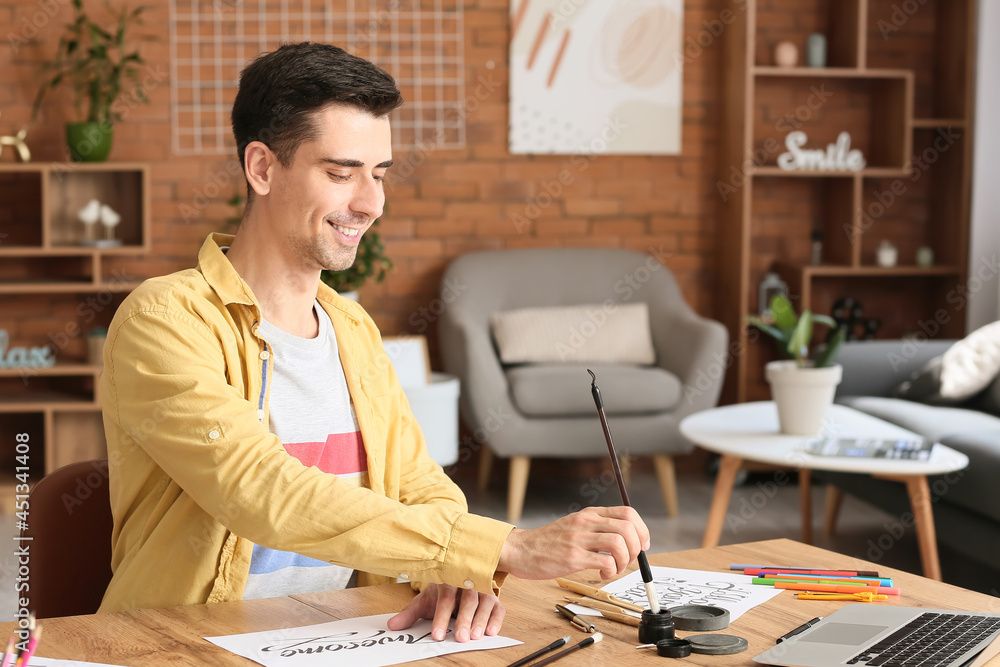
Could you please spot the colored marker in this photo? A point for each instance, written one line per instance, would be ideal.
(828, 588)
(772, 568)
(834, 573)
(875, 581)
(794, 580)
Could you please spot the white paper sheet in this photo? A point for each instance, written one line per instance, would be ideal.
(675, 587)
(53, 662)
(359, 642)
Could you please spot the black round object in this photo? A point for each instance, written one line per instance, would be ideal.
(673, 648)
(654, 627)
(699, 617)
(718, 644)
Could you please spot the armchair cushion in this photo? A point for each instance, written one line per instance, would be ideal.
(564, 390)
(610, 333)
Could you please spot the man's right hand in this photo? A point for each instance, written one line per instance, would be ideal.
(600, 538)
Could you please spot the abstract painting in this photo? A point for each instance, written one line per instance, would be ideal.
(596, 77)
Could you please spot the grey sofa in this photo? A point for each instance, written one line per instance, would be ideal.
(967, 504)
(546, 410)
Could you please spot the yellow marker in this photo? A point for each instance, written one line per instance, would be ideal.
(857, 597)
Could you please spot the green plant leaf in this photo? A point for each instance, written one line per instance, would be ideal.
(771, 330)
(829, 352)
(782, 312)
(798, 343)
(826, 320)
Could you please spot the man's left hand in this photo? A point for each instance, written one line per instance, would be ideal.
(478, 613)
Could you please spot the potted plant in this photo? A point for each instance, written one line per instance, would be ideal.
(96, 62)
(802, 387)
(371, 261)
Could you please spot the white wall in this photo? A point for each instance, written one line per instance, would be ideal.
(984, 250)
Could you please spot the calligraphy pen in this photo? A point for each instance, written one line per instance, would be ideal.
(647, 574)
(551, 647)
(592, 639)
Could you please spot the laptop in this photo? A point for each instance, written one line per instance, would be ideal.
(872, 635)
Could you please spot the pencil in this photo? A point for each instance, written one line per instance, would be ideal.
(597, 594)
(32, 644)
(9, 654)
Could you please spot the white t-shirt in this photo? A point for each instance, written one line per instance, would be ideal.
(312, 413)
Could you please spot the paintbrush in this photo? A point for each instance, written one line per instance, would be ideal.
(647, 574)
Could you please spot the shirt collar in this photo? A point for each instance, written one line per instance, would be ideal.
(220, 274)
(231, 288)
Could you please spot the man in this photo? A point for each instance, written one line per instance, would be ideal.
(259, 441)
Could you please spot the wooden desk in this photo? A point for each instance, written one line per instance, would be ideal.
(174, 635)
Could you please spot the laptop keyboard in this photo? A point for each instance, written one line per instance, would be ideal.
(929, 640)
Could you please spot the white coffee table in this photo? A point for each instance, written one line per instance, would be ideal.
(749, 432)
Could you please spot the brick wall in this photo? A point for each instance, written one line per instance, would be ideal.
(447, 202)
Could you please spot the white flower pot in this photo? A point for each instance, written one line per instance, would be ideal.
(803, 395)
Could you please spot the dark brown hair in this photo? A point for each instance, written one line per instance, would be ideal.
(280, 92)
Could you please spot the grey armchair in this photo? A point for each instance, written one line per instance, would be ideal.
(547, 410)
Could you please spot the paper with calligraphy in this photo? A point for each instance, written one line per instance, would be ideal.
(675, 587)
(359, 642)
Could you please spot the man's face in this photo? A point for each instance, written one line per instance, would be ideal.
(331, 192)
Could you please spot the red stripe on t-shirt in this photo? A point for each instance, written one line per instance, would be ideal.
(341, 454)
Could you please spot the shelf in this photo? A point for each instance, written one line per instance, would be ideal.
(58, 370)
(933, 123)
(832, 72)
(67, 287)
(835, 271)
(867, 172)
(38, 401)
(68, 251)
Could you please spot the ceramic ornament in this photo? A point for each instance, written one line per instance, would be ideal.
(110, 219)
(786, 54)
(89, 215)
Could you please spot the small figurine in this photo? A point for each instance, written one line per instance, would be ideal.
(89, 215)
(110, 219)
(17, 142)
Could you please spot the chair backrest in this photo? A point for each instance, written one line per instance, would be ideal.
(70, 526)
(494, 281)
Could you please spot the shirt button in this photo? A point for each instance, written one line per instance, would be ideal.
(469, 583)
(213, 434)
(403, 577)
(264, 355)
(260, 415)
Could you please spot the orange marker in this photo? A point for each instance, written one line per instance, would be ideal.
(828, 588)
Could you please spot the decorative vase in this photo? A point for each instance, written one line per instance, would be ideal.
(816, 50)
(786, 54)
(89, 142)
(803, 395)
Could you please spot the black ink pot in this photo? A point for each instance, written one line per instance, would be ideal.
(654, 627)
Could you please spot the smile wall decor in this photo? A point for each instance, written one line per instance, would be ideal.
(838, 156)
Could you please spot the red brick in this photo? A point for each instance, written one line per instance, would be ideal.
(589, 207)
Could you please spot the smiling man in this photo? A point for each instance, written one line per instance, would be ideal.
(259, 442)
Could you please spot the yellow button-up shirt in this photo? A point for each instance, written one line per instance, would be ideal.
(197, 478)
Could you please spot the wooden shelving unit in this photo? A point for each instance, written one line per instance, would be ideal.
(53, 289)
(904, 90)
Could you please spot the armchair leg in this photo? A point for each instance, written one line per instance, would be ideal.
(485, 467)
(517, 485)
(834, 498)
(668, 481)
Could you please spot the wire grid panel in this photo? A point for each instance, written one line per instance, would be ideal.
(419, 42)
